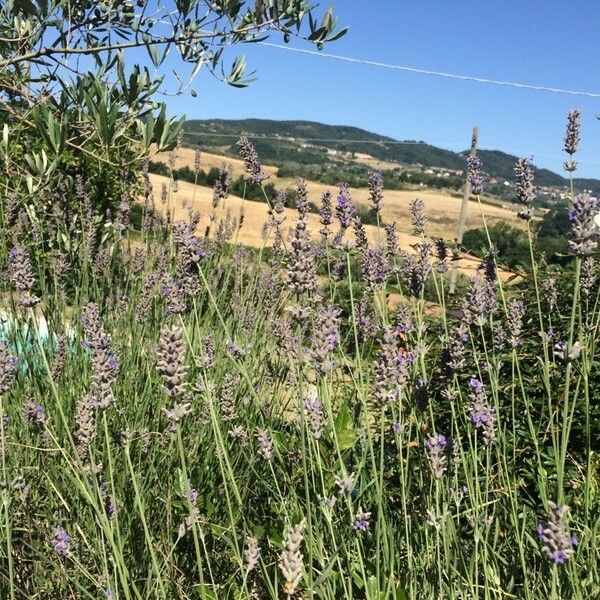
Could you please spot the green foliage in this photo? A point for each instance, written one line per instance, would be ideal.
(510, 244)
(299, 148)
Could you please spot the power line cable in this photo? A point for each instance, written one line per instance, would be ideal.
(372, 63)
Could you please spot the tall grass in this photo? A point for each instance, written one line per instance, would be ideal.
(217, 429)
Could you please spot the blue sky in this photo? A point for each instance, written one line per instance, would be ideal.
(546, 43)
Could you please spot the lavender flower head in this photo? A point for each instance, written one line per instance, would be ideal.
(265, 443)
(524, 188)
(8, 368)
(516, 312)
(290, 559)
(435, 447)
(345, 211)
(375, 269)
(314, 412)
(417, 216)
(251, 161)
(391, 239)
(361, 521)
(572, 137)
(480, 301)
(301, 269)
(558, 543)
(104, 360)
(61, 541)
(475, 174)
(21, 275)
(584, 234)
(456, 351)
(326, 215)
(326, 337)
(251, 553)
(345, 484)
(171, 360)
(482, 415)
(376, 190)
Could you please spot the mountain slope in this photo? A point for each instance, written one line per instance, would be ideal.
(308, 142)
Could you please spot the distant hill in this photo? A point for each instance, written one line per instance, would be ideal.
(307, 143)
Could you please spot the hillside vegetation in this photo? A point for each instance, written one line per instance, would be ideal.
(307, 142)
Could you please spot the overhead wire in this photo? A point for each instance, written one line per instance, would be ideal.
(407, 69)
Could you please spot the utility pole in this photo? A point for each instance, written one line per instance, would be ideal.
(462, 217)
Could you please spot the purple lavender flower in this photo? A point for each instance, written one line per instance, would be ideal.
(441, 251)
(345, 484)
(417, 216)
(8, 368)
(435, 447)
(516, 312)
(391, 369)
(391, 239)
(375, 269)
(416, 269)
(291, 559)
(314, 412)
(550, 292)
(572, 138)
(171, 360)
(361, 520)
(251, 161)
(558, 543)
(61, 541)
(584, 235)
(524, 187)
(482, 415)
(345, 211)
(326, 337)
(221, 188)
(475, 174)
(21, 275)
(326, 215)
(360, 235)
(301, 270)
(265, 443)
(480, 301)
(376, 190)
(458, 337)
(105, 362)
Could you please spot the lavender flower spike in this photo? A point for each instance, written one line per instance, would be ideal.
(314, 412)
(524, 187)
(435, 447)
(558, 544)
(251, 553)
(417, 216)
(572, 138)
(21, 276)
(475, 174)
(482, 415)
(290, 560)
(362, 520)
(376, 190)
(171, 362)
(8, 368)
(251, 161)
(584, 209)
(61, 541)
